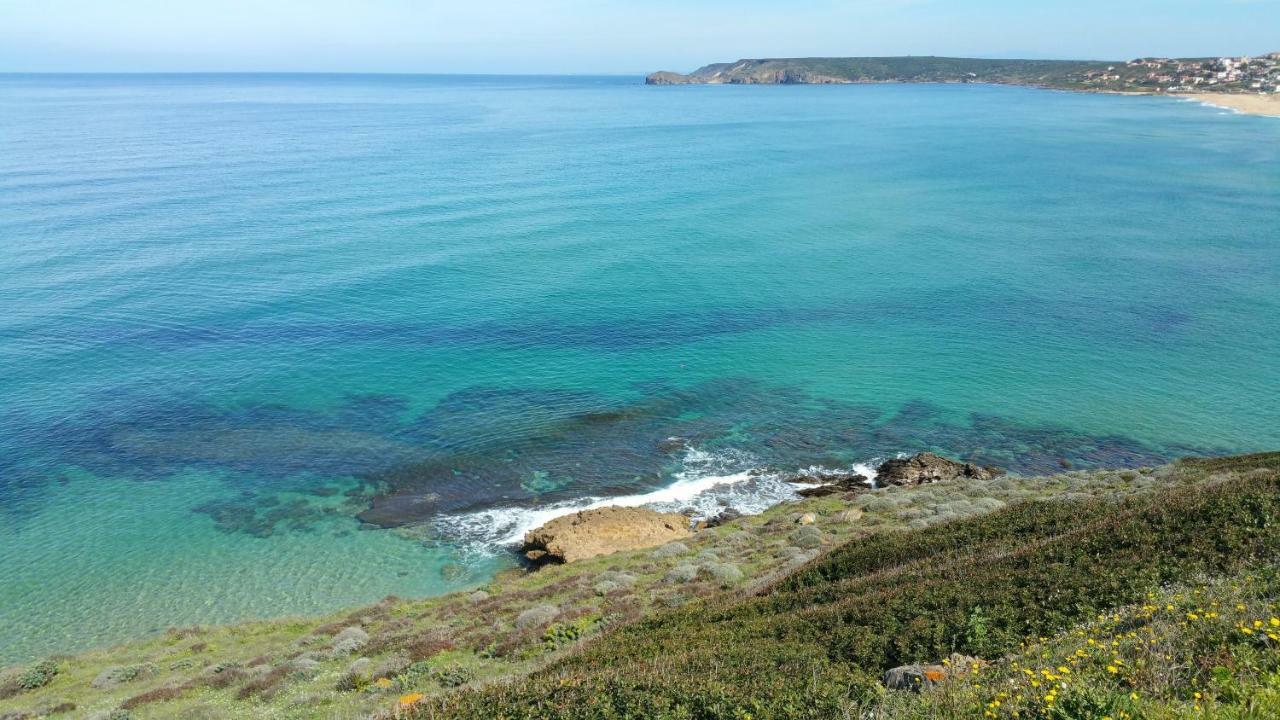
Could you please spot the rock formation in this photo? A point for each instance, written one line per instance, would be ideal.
(601, 532)
(929, 468)
(830, 483)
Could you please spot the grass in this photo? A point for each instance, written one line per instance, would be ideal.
(901, 575)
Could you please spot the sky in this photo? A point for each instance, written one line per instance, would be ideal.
(601, 36)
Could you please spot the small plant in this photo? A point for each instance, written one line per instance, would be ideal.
(977, 632)
(454, 676)
(350, 682)
(38, 675)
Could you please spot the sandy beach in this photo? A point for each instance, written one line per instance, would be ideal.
(1251, 104)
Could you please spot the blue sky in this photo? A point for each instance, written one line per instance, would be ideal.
(601, 36)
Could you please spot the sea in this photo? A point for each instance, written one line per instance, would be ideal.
(282, 344)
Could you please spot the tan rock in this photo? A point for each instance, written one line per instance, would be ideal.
(807, 519)
(603, 531)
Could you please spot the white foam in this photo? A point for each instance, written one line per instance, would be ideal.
(707, 484)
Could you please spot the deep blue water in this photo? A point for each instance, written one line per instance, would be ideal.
(239, 314)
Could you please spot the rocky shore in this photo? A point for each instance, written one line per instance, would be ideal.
(609, 569)
(603, 531)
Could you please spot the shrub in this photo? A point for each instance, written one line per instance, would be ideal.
(453, 676)
(349, 640)
(537, 616)
(38, 675)
(682, 573)
(724, 574)
(670, 550)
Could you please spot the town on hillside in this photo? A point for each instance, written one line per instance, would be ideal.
(1224, 75)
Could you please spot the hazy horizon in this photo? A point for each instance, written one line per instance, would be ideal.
(613, 37)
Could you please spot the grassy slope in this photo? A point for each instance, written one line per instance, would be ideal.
(831, 628)
(815, 645)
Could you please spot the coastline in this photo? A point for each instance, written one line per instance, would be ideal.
(1244, 104)
(357, 662)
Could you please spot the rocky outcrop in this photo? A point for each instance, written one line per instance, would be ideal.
(915, 678)
(830, 483)
(739, 77)
(929, 468)
(603, 531)
(668, 78)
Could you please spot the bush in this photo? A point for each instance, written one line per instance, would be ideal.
(349, 640)
(537, 616)
(453, 676)
(670, 550)
(682, 573)
(724, 574)
(38, 675)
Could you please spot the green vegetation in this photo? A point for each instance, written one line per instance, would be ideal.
(1145, 75)
(814, 646)
(762, 617)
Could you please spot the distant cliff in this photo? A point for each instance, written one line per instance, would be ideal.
(782, 71)
(1145, 75)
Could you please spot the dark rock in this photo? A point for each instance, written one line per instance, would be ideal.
(929, 468)
(830, 483)
(914, 678)
(725, 516)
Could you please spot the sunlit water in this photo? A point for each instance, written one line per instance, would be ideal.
(238, 311)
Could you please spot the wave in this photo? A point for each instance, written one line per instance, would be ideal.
(707, 484)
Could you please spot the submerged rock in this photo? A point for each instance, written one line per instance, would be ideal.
(602, 531)
(929, 468)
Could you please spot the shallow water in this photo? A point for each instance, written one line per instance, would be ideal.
(238, 311)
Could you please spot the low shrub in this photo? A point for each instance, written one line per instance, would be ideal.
(38, 675)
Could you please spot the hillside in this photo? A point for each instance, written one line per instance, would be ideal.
(761, 617)
(1147, 75)
(994, 587)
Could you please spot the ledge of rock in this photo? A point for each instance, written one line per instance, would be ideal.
(603, 531)
(830, 483)
(930, 468)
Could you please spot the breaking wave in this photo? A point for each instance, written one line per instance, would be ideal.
(707, 483)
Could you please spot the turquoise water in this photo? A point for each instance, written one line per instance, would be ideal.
(279, 344)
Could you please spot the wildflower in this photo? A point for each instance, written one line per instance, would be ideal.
(1275, 622)
(1113, 669)
(383, 683)
(411, 699)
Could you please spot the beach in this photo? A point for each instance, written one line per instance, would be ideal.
(1249, 104)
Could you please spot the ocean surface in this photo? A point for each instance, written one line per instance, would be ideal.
(277, 344)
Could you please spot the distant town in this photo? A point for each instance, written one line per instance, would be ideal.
(1226, 74)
